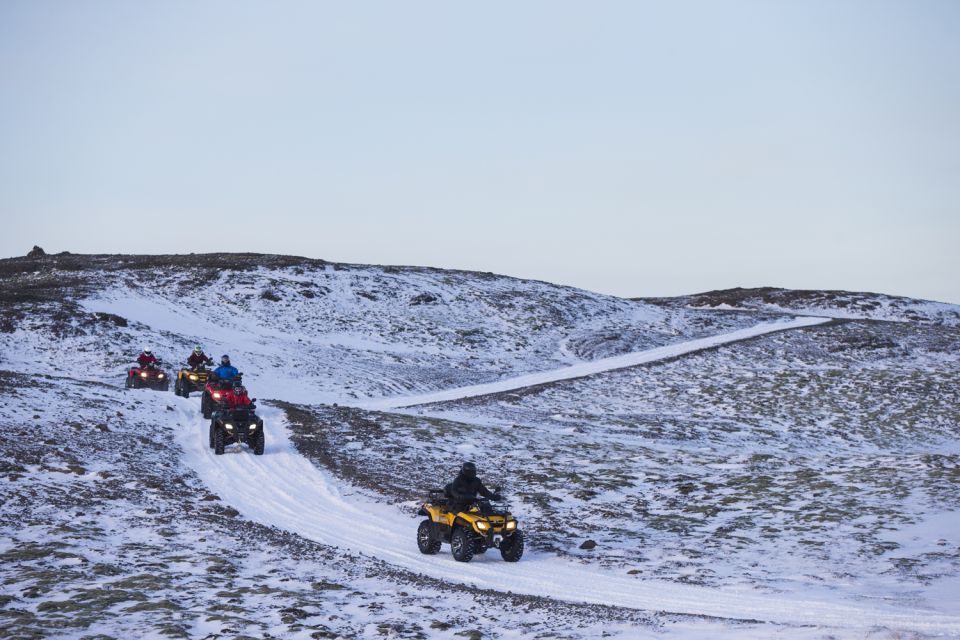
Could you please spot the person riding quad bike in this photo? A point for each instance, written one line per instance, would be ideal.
(235, 421)
(219, 381)
(465, 488)
(146, 358)
(194, 376)
(471, 524)
(147, 373)
(225, 371)
(198, 358)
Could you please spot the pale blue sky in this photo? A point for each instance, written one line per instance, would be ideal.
(626, 147)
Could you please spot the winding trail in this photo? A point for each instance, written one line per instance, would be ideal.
(282, 488)
(583, 369)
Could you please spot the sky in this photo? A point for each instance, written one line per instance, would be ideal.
(633, 148)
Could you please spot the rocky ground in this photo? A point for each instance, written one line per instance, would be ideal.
(823, 460)
(106, 535)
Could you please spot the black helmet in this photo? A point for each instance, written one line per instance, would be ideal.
(225, 360)
(469, 470)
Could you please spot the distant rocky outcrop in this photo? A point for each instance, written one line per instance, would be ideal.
(36, 252)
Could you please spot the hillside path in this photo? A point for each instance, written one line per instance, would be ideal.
(583, 369)
(284, 489)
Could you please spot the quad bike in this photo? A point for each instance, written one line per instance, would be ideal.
(213, 393)
(151, 376)
(236, 425)
(189, 379)
(482, 525)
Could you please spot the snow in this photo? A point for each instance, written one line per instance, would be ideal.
(591, 368)
(283, 489)
(755, 470)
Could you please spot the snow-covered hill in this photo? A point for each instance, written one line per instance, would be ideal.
(812, 471)
(837, 304)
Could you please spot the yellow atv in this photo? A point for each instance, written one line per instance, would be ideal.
(482, 525)
(190, 380)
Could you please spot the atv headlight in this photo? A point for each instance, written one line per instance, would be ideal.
(228, 427)
(143, 374)
(160, 376)
(216, 396)
(511, 525)
(483, 526)
(193, 376)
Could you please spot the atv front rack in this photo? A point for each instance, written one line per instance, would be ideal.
(437, 497)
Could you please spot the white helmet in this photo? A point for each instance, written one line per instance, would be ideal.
(147, 350)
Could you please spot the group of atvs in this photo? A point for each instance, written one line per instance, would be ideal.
(225, 402)
(464, 514)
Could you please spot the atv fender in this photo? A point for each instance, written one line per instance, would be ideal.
(423, 512)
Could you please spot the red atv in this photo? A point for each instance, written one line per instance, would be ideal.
(236, 421)
(213, 394)
(151, 376)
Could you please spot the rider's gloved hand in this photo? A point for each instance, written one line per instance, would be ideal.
(497, 497)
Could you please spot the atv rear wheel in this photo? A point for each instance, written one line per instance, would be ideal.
(425, 541)
(218, 440)
(258, 442)
(511, 547)
(462, 545)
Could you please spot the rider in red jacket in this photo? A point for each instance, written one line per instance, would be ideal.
(236, 397)
(146, 358)
(198, 357)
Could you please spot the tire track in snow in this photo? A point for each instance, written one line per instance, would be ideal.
(284, 489)
(584, 369)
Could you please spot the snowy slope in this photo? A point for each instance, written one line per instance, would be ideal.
(284, 489)
(584, 369)
(836, 304)
(811, 445)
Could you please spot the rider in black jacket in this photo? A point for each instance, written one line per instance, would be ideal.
(465, 487)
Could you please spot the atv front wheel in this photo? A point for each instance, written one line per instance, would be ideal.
(205, 407)
(511, 547)
(218, 441)
(258, 442)
(213, 428)
(425, 541)
(462, 545)
(128, 383)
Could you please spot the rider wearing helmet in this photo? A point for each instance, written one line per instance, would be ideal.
(198, 358)
(236, 396)
(146, 358)
(225, 371)
(465, 487)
